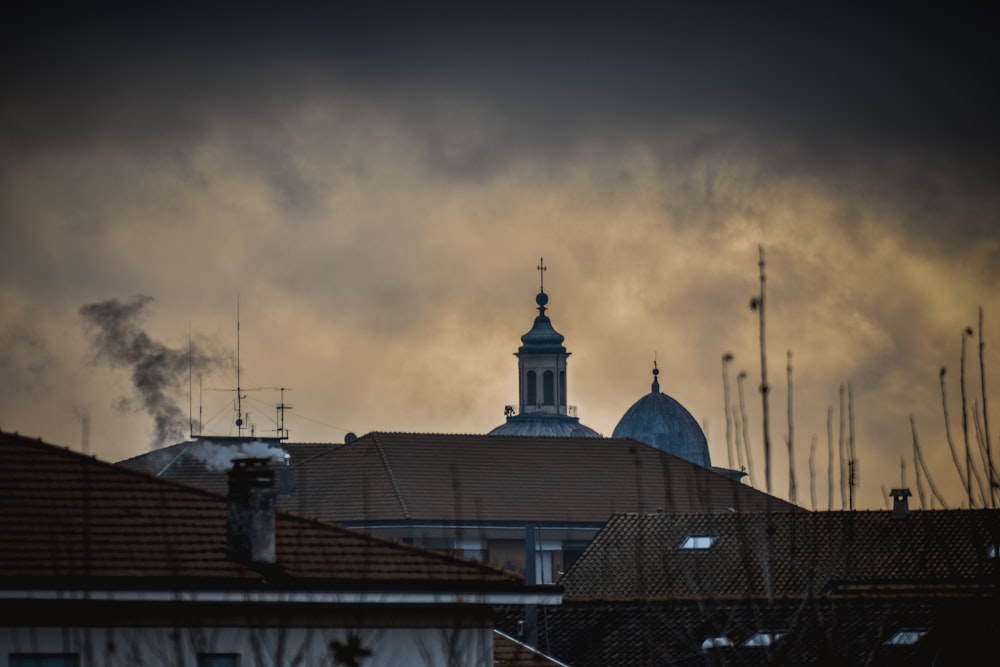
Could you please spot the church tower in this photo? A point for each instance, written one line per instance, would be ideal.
(541, 367)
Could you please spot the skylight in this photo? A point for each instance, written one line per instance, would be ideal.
(991, 552)
(715, 642)
(905, 638)
(763, 639)
(699, 542)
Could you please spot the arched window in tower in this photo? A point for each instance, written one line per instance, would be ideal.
(530, 388)
(562, 388)
(549, 388)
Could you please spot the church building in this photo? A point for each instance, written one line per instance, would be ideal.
(541, 368)
(656, 419)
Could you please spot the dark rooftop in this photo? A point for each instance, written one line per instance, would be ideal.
(68, 517)
(441, 477)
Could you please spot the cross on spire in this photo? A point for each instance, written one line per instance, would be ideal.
(541, 272)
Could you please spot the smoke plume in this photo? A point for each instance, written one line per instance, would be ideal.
(157, 370)
(220, 457)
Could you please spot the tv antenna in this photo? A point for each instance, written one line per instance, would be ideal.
(282, 407)
(244, 426)
(239, 393)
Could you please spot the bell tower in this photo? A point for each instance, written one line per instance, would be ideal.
(541, 362)
(541, 380)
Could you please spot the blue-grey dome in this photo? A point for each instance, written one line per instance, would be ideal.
(658, 420)
(545, 425)
(543, 338)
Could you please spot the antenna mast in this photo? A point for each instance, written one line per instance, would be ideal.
(190, 387)
(239, 391)
(282, 406)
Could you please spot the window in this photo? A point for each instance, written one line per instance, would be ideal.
(763, 639)
(905, 638)
(549, 388)
(991, 552)
(699, 542)
(531, 388)
(572, 551)
(43, 660)
(218, 660)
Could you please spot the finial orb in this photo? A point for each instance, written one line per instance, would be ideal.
(542, 298)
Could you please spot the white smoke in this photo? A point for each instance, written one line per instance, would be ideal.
(219, 457)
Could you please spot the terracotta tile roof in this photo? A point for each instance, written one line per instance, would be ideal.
(788, 555)
(418, 476)
(65, 516)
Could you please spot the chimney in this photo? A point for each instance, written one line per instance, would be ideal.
(250, 519)
(900, 504)
(286, 477)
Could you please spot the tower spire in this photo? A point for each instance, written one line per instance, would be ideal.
(541, 273)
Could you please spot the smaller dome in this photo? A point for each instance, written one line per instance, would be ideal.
(543, 338)
(658, 420)
(541, 424)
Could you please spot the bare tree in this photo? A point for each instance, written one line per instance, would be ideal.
(966, 332)
(852, 463)
(792, 491)
(919, 464)
(726, 358)
(841, 455)
(743, 420)
(966, 483)
(738, 442)
(986, 421)
(757, 304)
(812, 471)
(984, 454)
(829, 465)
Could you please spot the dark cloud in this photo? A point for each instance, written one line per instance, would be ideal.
(380, 179)
(825, 76)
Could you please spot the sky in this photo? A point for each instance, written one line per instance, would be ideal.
(365, 190)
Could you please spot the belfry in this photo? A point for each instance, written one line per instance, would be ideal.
(541, 366)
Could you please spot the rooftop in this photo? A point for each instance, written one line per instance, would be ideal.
(66, 517)
(444, 477)
(782, 555)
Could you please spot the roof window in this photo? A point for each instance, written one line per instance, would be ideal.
(905, 638)
(762, 639)
(699, 541)
(992, 551)
(715, 642)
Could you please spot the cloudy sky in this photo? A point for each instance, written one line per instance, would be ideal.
(374, 184)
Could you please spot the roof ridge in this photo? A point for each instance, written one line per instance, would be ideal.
(331, 449)
(392, 477)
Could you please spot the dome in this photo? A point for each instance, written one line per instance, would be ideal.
(545, 425)
(543, 338)
(658, 420)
